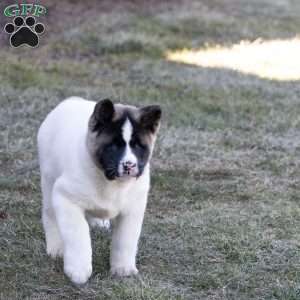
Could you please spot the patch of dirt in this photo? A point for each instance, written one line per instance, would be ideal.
(3, 215)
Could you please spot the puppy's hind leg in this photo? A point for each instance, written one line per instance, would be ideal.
(98, 223)
(53, 239)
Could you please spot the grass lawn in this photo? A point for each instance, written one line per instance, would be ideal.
(223, 217)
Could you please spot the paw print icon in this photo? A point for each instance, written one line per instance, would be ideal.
(24, 31)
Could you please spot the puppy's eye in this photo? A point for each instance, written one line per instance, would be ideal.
(119, 143)
(134, 143)
(115, 145)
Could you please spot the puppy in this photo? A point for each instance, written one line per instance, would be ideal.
(94, 163)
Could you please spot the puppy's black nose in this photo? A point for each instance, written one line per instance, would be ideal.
(128, 165)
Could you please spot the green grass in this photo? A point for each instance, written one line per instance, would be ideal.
(223, 219)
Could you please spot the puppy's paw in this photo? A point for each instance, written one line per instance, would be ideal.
(99, 223)
(78, 274)
(124, 271)
(55, 249)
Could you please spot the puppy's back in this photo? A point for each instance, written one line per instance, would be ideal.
(60, 132)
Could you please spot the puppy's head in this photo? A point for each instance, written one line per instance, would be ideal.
(121, 138)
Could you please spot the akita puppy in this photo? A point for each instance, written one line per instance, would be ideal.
(94, 162)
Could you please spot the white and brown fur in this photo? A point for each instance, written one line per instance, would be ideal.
(94, 162)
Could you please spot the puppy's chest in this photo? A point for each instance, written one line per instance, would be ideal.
(108, 202)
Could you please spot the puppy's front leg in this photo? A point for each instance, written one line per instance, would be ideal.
(126, 232)
(75, 233)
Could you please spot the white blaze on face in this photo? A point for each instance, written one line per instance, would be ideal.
(128, 154)
(127, 131)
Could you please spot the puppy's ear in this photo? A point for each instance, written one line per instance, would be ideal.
(102, 115)
(150, 117)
